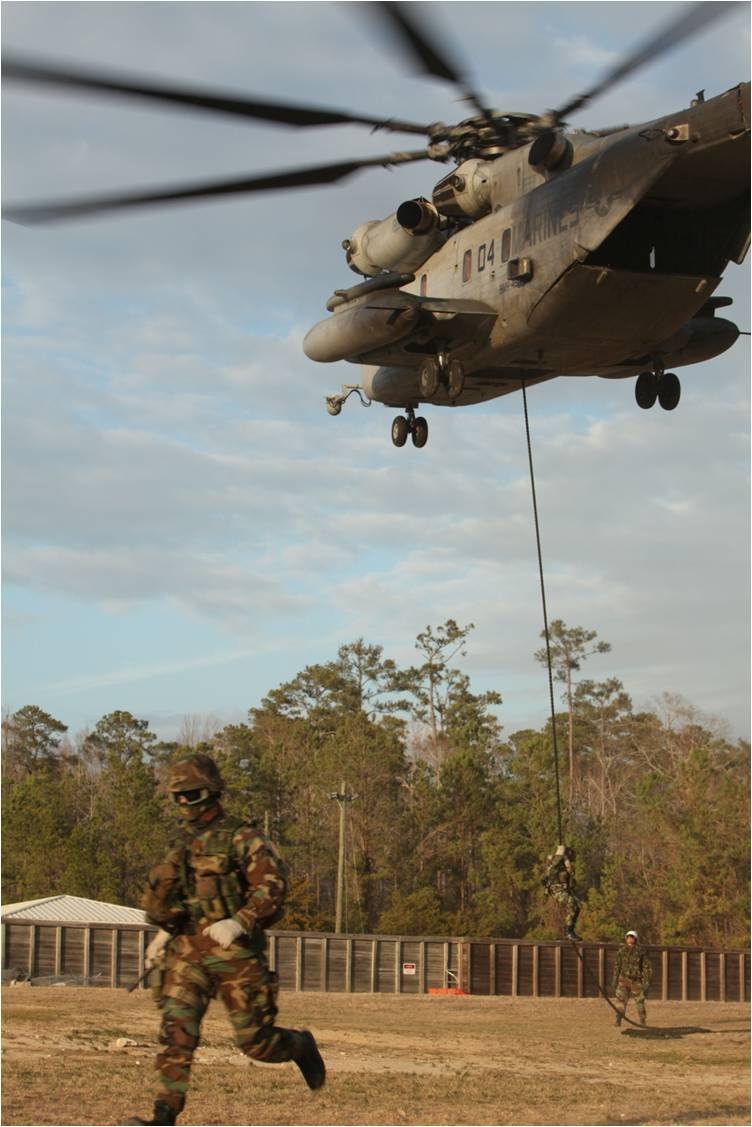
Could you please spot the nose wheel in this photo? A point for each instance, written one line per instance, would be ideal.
(660, 385)
(409, 425)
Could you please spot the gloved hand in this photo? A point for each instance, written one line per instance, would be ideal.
(225, 932)
(157, 945)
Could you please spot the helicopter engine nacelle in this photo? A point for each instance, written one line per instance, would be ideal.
(402, 242)
(466, 191)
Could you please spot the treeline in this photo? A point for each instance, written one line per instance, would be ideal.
(449, 823)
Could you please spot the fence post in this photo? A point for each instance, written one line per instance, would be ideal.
(141, 952)
(374, 963)
(492, 968)
(741, 978)
(463, 967)
(422, 967)
(397, 966)
(87, 957)
(299, 963)
(601, 969)
(515, 968)
(348, 965)
(703, 976)
(114, 957)
(664, 976)
(536, 967)
(684, 966)
(57, 969)
(557, 971)
(32, 948)
(721, 976)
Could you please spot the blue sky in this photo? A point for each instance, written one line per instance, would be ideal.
(184, 525)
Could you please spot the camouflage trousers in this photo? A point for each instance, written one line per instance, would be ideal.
(195, 970)
(627, 988)
(570, 902)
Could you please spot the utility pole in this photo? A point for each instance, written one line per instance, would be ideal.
(342, 798)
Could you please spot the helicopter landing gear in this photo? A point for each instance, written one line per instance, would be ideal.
(429, 375)
(669, 391)
(440, 370)
(416, 427)
(660, 385)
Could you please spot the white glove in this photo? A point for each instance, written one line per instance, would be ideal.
(225, 932)
(158, 943)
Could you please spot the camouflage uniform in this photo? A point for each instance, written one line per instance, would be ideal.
(559, 883)
(632, 974)
(219, 869)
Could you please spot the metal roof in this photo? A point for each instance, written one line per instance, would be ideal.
(72, 909)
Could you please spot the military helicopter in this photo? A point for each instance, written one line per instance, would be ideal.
(545, 251)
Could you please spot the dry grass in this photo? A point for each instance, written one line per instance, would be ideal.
(390, 1060)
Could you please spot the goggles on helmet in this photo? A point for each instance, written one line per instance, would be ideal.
(190, 797)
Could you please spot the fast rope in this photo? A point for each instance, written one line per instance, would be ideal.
(545, 616)
(600, 989)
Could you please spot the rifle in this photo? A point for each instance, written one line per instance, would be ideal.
(141, 978)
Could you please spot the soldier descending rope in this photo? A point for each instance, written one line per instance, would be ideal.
(220, 884)
(632, 974)
(559, 883)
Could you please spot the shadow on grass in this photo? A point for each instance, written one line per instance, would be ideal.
(731, 1113)
(649, 1031)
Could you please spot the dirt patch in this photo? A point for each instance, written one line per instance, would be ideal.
(84, 1056)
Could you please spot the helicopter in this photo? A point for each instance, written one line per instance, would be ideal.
(545, 252)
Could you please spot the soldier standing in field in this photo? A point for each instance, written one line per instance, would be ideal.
(560, 884)
(632, 974)
(219, 886)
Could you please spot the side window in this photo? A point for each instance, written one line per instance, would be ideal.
(467, 265)
(506, 244)
(423, 285)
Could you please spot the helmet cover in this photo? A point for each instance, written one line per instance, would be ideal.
(195, 772)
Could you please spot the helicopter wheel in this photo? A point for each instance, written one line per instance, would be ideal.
(428, 378)
(646, 390)
(400, 431)
(420, 432)
(669, 391)
(455, 379)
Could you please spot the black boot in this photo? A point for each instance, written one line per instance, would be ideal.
(572, 934)
(308, 1058)
(164, 1116)
(617, 1021)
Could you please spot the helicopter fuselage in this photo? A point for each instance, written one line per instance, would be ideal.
(603, 263)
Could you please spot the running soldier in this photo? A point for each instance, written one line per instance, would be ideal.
(219, 886)
(632, 974)
(560, 884)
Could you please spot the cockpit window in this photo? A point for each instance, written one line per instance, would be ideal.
(467, 265)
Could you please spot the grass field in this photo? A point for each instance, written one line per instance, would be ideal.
(390, 1060)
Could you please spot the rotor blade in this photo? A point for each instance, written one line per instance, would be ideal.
(271, 181)
(431, 59)
(691, 20)
(284, 113)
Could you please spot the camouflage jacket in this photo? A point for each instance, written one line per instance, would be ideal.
(560, 872)
(632, 963)
(219, 869)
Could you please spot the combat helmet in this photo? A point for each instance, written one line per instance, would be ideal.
(195, 784)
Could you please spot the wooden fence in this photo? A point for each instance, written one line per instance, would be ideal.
(113, 955)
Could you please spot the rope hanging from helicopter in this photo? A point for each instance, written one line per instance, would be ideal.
(549, 665)
(545, 614)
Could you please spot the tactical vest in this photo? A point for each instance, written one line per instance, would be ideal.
(211, 875)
